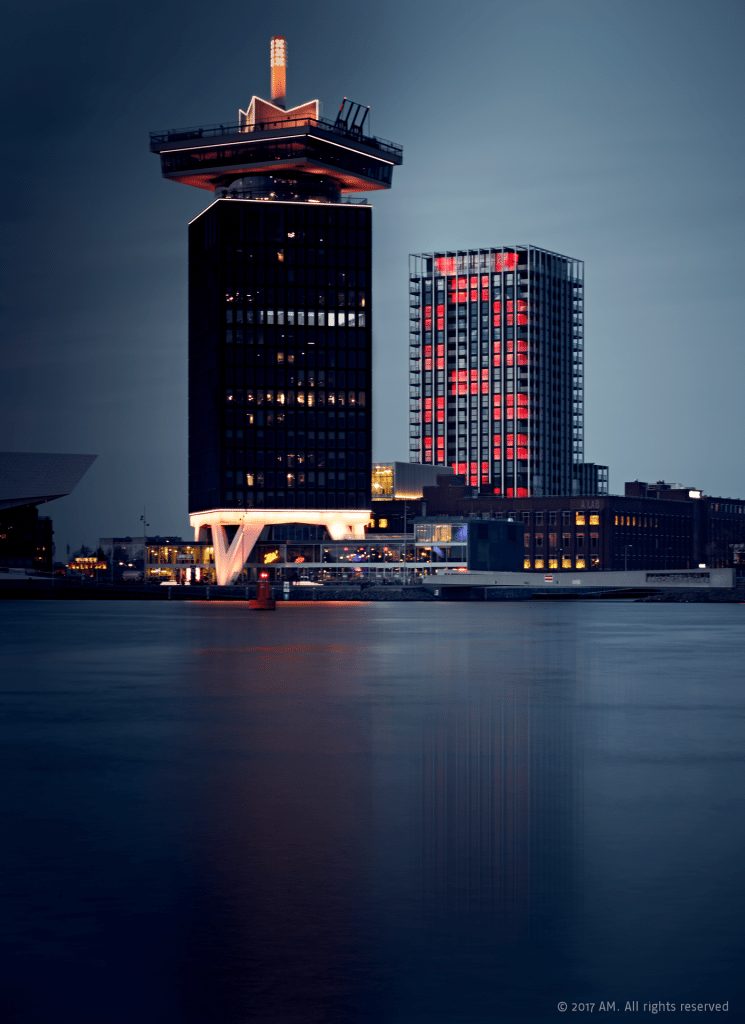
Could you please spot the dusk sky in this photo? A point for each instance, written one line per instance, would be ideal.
(608, 132)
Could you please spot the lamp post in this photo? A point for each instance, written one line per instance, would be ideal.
(145, 524)
(626, 556)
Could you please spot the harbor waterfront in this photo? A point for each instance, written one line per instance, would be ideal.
(367, 812)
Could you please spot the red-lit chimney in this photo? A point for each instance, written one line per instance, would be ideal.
(278, 66)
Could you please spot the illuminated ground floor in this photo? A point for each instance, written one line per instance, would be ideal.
(298, 555)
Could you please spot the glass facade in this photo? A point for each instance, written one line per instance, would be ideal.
(496, 367)
(280, 356)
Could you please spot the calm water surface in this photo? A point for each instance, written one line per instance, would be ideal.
(369, 812)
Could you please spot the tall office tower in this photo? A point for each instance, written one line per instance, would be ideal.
(280, 326)
(496, 367)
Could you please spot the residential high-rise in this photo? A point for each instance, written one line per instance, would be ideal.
(280, 325)
(496, 367)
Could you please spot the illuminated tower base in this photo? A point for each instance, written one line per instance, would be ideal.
(342, 524)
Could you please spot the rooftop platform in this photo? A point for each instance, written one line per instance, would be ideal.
(209, 156)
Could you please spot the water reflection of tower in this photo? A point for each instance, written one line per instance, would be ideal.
(497, 793)
(495, 814)
(280, 328)
(278, 925)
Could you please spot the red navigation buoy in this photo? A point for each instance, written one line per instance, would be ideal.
(263, 602)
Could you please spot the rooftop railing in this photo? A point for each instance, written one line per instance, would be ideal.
(159, 139)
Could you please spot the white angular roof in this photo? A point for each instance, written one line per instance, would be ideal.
(29, 478)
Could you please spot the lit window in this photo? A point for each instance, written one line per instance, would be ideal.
(594, 519)
(526, 563)
(580, 563)
(580, 519)
(383, 524)
(566, 562)
(539, 563)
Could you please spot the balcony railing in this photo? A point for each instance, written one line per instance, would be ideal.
(231, 131)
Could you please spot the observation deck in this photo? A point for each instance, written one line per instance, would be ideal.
(214, 156)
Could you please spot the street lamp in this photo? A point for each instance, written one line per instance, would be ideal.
(145, 524)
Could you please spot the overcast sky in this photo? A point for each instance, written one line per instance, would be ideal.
(611, 132)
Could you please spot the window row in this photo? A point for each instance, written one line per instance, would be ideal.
(268, 445)
(320, 397)
(280, 380)
(269, 460)
(300, 498)
(580, 562)
(294, 318)
(251, 360)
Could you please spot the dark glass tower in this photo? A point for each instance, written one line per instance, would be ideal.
(496, 367)
(280, 356)
(280, 329)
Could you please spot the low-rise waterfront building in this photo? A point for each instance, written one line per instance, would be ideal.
(658, 526)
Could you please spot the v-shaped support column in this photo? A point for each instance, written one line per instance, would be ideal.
(230, 559)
